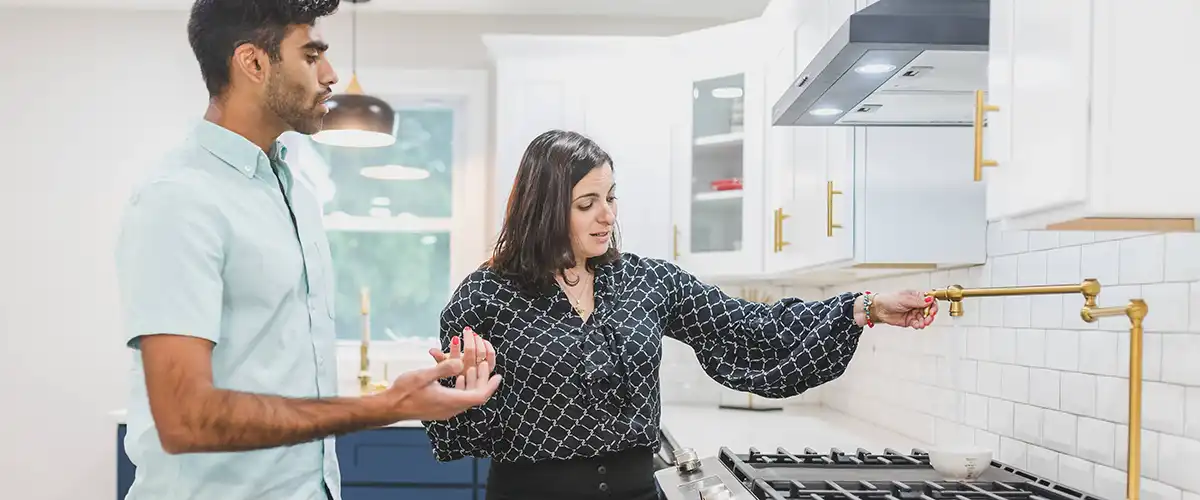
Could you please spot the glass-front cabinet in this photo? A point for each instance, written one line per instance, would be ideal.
(717, 154)
(718, 147)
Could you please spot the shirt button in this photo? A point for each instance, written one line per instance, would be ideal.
(602, 470)
(603, 486)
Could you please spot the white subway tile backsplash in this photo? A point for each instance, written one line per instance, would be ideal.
(1018, 312)
(1193, 308)
(1181, 358)
(1098, 352)
(1141, 260)
(1112, 397)
(1101, 261)
(1168, 304)
(1013, 452)
(1152, 355)
(1003, 345)
(1045, 311)
(976, 411)
(1063, 266)
(1181, 466)
(1031, 347)
(1150, 451)
(1191, 424)
(1062, 349)
(979, 344)
(1097, 440)
(1079, 393)
(1032, 268)
(989, 440)
(1004, 271)
(1059, 431)
(1027, 423)
(1043, 462)
(990, 377)
(1182, 257)
(1044, 388)
(1162, 407)
(1000, 417)
(1043, 240)
(1075, 238)
(991, 311)
(1014, 383)
(1026, 376)
(1076, 473)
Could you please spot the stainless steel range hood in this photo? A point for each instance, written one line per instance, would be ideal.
(895, 63)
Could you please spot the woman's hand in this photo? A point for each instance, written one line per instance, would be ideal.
(903, 309)
(469, 347)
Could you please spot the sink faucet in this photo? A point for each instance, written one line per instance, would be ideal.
(1135, 310)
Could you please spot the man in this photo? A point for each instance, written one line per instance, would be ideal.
(227, 286)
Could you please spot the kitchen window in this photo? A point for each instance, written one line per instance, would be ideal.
(403, 221)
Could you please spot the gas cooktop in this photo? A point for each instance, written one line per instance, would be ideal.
(836, 475)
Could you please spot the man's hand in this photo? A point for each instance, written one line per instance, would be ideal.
(469, 347)
(417, 395)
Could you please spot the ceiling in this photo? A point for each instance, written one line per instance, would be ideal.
(705, 9)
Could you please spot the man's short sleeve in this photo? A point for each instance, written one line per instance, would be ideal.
(170, 253)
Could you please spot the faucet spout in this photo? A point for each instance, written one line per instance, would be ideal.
(955, 294)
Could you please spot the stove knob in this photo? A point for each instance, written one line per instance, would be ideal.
(686, 460)
(716, 492)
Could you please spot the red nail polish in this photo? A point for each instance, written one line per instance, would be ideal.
(928, 299)
(454, 341)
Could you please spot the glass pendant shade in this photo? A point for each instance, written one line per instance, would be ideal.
(357, 120)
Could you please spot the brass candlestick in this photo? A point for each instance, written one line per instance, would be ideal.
(1135, 310)
(365, 385)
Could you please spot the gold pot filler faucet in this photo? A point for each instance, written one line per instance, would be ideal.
(1135, 310)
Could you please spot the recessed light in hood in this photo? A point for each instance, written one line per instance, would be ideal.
(895, 62)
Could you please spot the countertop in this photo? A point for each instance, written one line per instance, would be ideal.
(707, 428)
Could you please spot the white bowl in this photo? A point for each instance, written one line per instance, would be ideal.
(961, 463)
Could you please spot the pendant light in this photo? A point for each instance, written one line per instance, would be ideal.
(355, 119)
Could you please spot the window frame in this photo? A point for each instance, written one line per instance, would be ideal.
(467, 92)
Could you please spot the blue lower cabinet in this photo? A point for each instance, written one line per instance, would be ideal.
(380, 464)
(407, 493)
(398, 455)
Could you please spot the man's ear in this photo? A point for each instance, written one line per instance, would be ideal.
(251, 62)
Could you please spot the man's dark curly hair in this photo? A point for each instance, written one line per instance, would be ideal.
(217, 27)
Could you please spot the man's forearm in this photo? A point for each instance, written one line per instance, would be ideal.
(221, 420)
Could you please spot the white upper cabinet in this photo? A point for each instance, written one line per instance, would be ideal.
(1088, 115)
(717, 103)
(584, 84)
(880, 188)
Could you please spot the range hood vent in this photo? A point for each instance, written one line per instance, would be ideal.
(895, 63)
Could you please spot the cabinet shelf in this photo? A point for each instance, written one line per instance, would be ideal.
(732, 194)
(730, 139)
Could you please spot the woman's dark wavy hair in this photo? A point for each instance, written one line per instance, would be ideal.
(535, 243)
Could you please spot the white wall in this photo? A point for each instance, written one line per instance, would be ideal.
(89, 98)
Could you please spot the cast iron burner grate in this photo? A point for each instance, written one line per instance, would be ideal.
(891, 475)
(895, 490)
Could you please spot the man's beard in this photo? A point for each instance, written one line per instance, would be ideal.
(292, 104)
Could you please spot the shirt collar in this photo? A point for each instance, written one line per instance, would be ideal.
(235, 150)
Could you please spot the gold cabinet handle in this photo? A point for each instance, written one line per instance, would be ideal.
(980, 109)
(829, 225)
(779, 243)
(675, 244)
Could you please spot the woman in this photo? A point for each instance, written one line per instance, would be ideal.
(577, 329)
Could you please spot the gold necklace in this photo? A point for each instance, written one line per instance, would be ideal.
(577, 306)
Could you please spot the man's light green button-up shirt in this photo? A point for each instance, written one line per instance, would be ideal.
(208, 248)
